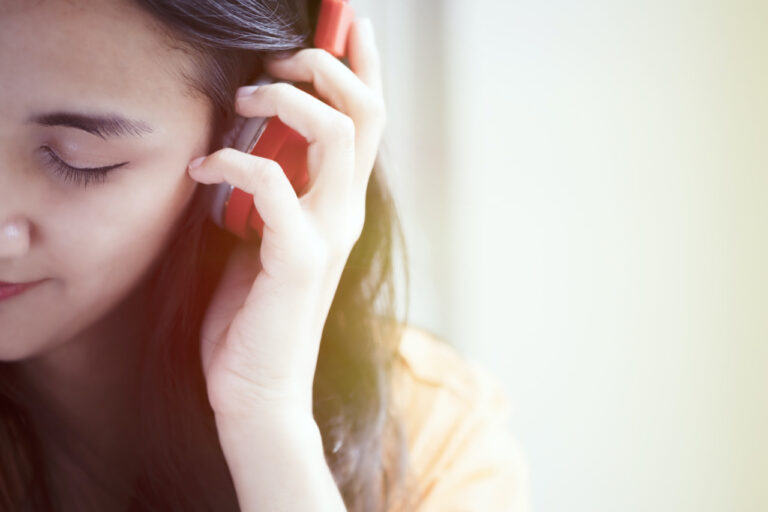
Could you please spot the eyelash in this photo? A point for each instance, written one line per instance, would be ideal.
(79, 175)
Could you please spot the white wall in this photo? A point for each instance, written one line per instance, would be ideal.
(409, 36)
(583, 184)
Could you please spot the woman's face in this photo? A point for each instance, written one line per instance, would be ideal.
(66, 63)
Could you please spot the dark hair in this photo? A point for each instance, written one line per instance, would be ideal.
(181, 463)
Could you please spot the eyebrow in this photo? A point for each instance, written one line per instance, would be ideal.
(104, 126)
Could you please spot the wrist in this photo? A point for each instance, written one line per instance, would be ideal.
(278, 434)
(294, 419)
(284, 425)
(277, 463)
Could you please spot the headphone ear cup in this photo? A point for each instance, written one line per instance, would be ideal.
(243, 136)
(240, 215)
(291, 154)
(232, 208)
(230, 137)
(333, 24)
(218, 196)
(220, 193)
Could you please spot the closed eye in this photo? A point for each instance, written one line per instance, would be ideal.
(80, 175)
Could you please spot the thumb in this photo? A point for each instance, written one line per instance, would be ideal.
(243, 266)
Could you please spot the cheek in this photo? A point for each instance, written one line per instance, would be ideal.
(95, 245)
(104, 243)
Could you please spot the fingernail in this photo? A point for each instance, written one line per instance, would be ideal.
(246, 91)
(194, 164)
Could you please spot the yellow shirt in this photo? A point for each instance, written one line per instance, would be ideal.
(462, 453)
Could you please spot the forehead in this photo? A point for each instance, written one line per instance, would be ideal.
(83, 53)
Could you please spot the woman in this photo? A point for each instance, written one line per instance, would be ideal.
(151, 361)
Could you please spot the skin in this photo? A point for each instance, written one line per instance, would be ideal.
(55, 71)
(261, 335)
(90, 301)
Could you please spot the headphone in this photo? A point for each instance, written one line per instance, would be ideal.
(232, 208)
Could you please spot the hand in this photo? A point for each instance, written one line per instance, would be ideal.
(261, 334)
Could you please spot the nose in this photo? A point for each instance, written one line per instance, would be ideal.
(14, 237)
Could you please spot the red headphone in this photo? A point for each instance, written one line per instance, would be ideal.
(232, 208)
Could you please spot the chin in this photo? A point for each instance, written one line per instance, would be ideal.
(17, 348)
(24, 340)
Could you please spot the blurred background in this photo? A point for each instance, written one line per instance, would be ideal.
(583, 186)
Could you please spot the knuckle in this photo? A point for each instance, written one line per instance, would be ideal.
(374, 109)
(280, 91)
(315, 56)
(340, 127)
(379, 112)
(225, 157)
(265, 174)
(271, 169)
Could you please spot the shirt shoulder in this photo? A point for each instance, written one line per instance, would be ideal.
(456, 416)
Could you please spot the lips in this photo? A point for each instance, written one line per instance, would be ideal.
(8, 290)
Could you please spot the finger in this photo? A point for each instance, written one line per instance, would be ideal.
(314, 120)
(273, 195)
(331, 136)
(347, 92)
(363, 54)
(333, 81)
(365, 62)
(234, 285)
